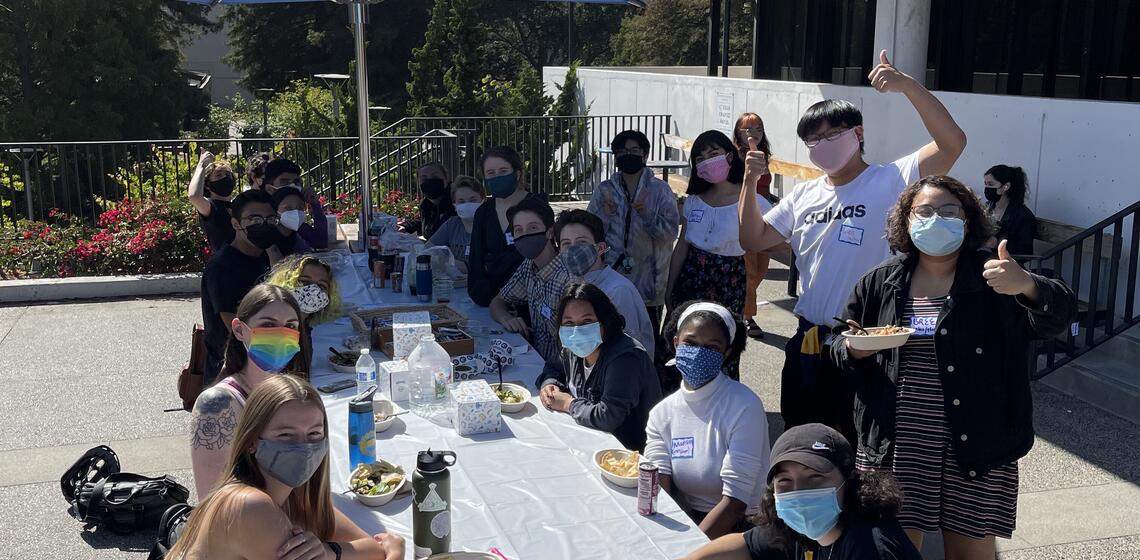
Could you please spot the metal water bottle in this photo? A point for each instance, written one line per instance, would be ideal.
(361, 430)
(423, 278)
(431, 503)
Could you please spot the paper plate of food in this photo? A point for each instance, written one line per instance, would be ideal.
(619, 466)
(873, 339)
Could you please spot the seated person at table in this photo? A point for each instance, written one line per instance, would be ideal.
(274, 499)
(255, 169)
(467, 195)
(281, 173)
(582, 246)
(312, 285)
(710, 437)
(493, 257)
(538, 282)
(211, 189)
(436, 207)
(290, 204)
(817, 505)
(233, 270)
(603, 378)
(268, 338)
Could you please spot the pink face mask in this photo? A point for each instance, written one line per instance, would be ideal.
(831, 156)
(714, 170)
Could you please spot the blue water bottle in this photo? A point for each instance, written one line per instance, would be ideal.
(423, 278)
(361, 430)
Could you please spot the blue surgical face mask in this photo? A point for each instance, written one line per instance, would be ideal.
(937, 236)
(811, 513)
(581, 340)
(698, 365)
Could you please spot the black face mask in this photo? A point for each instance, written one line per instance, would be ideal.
(630, 163)
(992, 194)
(433, 188)
(263, 236)
(221, 187)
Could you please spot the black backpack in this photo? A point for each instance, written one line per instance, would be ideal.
(169, 530)
(101, 496)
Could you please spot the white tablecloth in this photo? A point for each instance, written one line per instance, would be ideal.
(530, 490)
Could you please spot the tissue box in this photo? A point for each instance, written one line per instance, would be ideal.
(407, 329)
(400, 378)
(477, 409)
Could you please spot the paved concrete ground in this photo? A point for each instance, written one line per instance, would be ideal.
(79, 374)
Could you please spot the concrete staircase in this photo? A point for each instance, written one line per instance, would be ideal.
(1107, 377)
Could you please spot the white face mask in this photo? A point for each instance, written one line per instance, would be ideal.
(466, 210)
(292, 219)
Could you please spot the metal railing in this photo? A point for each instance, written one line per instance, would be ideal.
(1105, 284)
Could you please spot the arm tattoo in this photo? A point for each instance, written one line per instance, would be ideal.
(214, 421)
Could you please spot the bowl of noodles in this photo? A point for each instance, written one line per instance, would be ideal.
(874, 339)
(619, 466)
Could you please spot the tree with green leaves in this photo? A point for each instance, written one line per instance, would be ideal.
(675, 33)
(463, 80)
(93, 69)
(426, 88)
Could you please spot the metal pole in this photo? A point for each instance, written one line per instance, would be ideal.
(570, 33)
(714, 35)
(265, 117)
(28, 183)
(727, 36)
(755, 39)
(358, 8)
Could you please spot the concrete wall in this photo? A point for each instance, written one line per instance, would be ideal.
(1080, 155)
(204, 54)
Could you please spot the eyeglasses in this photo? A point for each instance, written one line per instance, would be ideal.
(258, 220)
(631, 151)
(829, 137)
(945, 211)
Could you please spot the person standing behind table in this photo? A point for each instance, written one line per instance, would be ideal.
(281, 173)
(466, 195)
(1005, 190)
(950, 412)
(538, 282)
(602, 376)
(749, 128)
(493, 257)
(233, 270)
(211, 189)
(708, 262)
(833, 224)
(817, 505)
(582, 248)
(640, 216)
(270, 336)
(436, 206)
(710, 437)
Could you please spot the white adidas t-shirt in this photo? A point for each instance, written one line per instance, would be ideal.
(839, 233)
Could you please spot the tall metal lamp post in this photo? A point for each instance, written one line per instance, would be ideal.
(333, 82)
(265, 94)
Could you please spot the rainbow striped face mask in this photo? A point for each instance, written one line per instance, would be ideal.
(272, 348)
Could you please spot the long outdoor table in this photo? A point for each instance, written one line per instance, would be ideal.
(530, 490)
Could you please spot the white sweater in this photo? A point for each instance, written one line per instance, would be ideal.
(713, 442)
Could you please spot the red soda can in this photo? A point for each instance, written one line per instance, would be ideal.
(648, 484)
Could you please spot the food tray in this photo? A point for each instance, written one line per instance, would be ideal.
(441, 316)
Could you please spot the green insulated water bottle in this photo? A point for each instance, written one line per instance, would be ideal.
(431, 503)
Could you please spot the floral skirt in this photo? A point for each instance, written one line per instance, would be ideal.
(712, 277)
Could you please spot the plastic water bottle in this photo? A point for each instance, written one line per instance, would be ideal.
(365, 372)
(431, 372)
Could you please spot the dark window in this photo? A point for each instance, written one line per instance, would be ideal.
(828, 41)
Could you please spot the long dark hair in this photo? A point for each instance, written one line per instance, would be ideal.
(257, 299)
(868, 497)
(742, 143)
(613, 324)
(979, 229)
(713, 139)
(1015, 177)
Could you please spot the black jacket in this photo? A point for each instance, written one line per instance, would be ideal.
(1018, 226)
(983, 344)
(619, 394)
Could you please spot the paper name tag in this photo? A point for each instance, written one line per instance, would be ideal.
(695, 216)
(547, 312)
(851, 235)
(682, 448)
(923, 326)
(510, 238)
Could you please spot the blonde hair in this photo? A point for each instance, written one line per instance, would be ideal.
(287, 274)
(308, 506)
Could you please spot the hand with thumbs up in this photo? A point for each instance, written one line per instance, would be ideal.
(885, 77)
(1005, 276)
(755, 164)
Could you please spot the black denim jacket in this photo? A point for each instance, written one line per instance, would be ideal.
(983, 343)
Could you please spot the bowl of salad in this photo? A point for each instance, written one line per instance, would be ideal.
(375, 484)
(512, 396)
